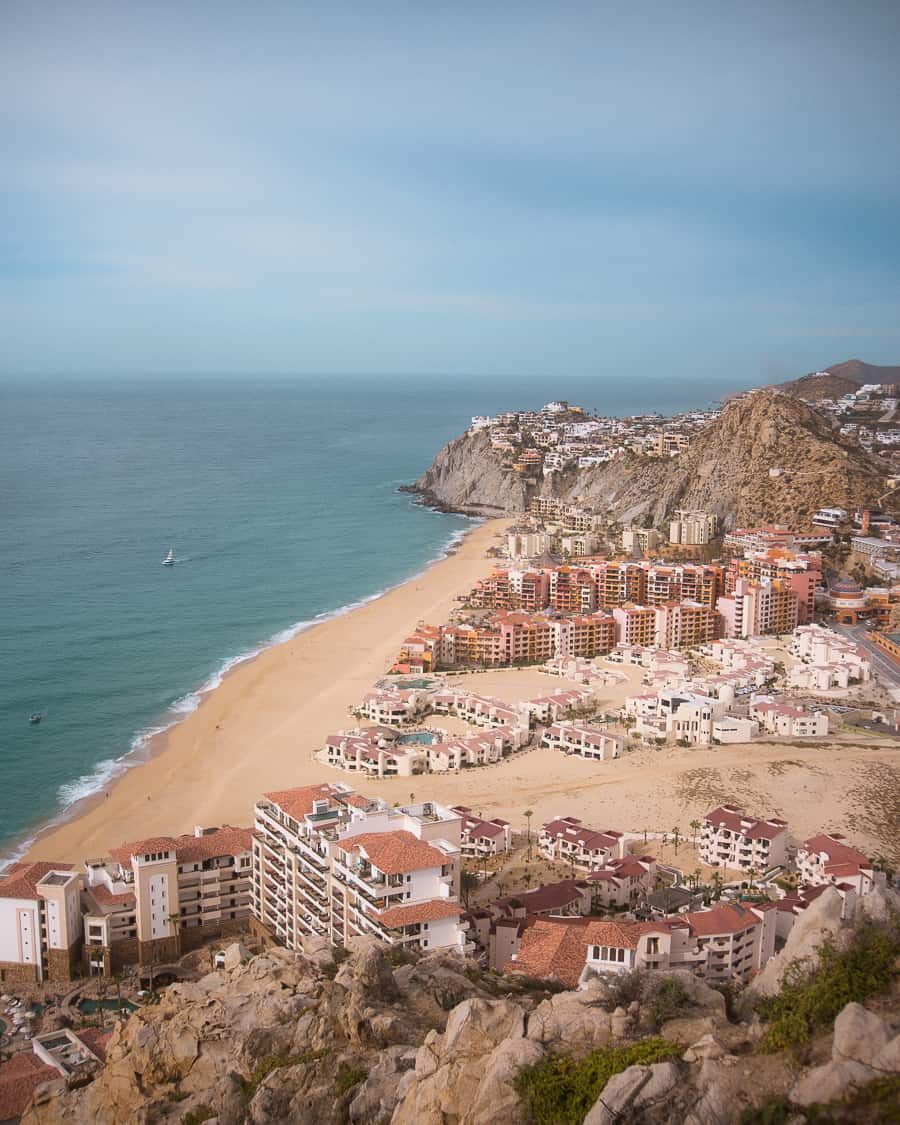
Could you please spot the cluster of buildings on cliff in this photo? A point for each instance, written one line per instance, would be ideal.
(324, 862)
(561, 436)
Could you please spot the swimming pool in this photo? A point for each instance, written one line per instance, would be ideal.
(90, 1007)
(419, 737)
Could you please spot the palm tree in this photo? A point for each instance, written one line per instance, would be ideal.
(468, 881)
(529, 813)
(752, 874)
(676, 837)
(695, 826)
(717, 885)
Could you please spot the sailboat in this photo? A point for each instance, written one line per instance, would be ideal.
(169, 560)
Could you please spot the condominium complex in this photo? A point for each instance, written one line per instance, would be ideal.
(727, 942)
(152, 899)
(730, 838)
(828, 859)
(40, 922)
(566, 838)
(329, 863)
(692, 529)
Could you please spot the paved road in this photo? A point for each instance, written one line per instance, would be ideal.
(888, 671)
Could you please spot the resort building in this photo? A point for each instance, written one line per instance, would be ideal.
(756, 608)
(786, 720)
(637, 625)
(800, 572)
(675, 714)
(724, 943)
(481, 839)
(622, 882)
(692, 529)
(586, 741)
(828, 859)
(395, 707)
(40, 922)
(154, 899)
(730, 838)
(567, 839)
(328, 863)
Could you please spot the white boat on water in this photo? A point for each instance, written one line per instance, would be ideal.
(169, 560)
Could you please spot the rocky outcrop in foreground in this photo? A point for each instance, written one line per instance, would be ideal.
(767, 458)
(436, 1041)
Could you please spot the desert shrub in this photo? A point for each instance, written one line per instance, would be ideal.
(776, 1111)
(396, 955)
(561, 1091)
(812, 994)
(269, 1063)
(348, 1077)
(528, 983)
(668, 999)
(627, 988)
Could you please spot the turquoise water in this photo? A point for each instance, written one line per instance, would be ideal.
(419, 738)
(280, 501)
(91, 1007)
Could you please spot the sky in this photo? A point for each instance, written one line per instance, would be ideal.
(606, 188)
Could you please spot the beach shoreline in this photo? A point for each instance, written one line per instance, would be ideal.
(165, 771)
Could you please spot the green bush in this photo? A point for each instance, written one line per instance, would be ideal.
(813, 994)
(348, 1077)
(561, 1091)
(668, 1000)
(268, 1063)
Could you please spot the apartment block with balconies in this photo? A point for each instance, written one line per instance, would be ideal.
(730, 838)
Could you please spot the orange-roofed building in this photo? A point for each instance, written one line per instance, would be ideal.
(156, 898)
(40, 922)
(329, 864)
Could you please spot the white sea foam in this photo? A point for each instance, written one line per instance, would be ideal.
(90, 784)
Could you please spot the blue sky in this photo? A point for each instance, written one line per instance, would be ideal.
(571, 188)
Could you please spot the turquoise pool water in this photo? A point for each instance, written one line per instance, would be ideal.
(89, 1007)
(419, 737)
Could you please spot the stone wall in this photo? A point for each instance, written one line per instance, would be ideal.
(13, 972)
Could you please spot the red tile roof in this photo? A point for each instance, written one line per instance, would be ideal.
(96, 1040)
(298, 802)
(20, 880)
(396, 853)
(837, 854)
(725, 919)
(18, 1079)
(430, 911)
(189, 848)
(553, 948)
(736, 820)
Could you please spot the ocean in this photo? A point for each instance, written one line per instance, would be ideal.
(280, 500)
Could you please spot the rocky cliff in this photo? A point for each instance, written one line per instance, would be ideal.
(767, 458)
(434, 1040)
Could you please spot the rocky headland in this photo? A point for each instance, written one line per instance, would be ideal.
(768, 458)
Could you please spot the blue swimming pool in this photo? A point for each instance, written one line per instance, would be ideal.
(90, 1007)
(418, 737)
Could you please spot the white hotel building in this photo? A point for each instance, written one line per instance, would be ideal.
(730, 838)
(330, 863)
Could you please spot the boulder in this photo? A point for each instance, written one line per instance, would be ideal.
(367, 971)
(637, 1088)
(858, 1034)
(830, 1082)
(235, 955)
(570, 1020)
(888, 1058)
(820, 919)
(706, 1047)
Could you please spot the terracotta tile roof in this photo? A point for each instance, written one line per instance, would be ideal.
(553, 948)
(725, 919)
(95, 1039)
(552, 896)
(18, 1079)
(430, 911)
(836, 852)
(189, 848)
(20, 880)
(104, 896)
(736, 820)
(396, 853)
(298, 802)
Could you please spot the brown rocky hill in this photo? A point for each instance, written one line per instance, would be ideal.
(840, 379)
(768, 458)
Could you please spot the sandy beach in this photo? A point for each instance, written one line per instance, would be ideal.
(260, 729)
